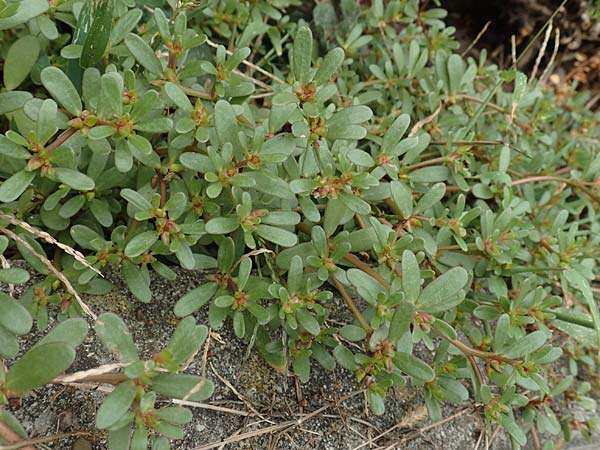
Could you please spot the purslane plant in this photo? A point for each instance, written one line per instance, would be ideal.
(448, 211)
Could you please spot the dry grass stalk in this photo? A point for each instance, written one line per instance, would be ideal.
(53, 269)
(542, 51)
(6, 265)
(45, 236)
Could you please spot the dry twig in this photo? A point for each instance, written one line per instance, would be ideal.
(52, 269)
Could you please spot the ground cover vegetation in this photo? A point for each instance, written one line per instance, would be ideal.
(290, 153)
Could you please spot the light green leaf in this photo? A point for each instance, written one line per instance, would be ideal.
(38, 366)
(195, 299)
(355, 203)
(402, 196)
(28, 9)
(222, 225)
(14, 275)
(395, 132)
(308, 322)
(444, 292)
(431, 174)
(74, 179)
(116, 404)
(61, 89)
(526, 345)
(413, 366)
(140, 243)
(13, 187)
(330, 64)
(353, 333)
(226, 123)
(136, 199)
(173, 385)
(138, 284)
(401, 320)
(14, 317)
(344, 357)
(143, 53)
(20, 59)
(456, 69)
(115, 337)
(433, 195)
(177, 96)
(276, 235)
(411, 276)
(71, 331)
(301, 365)
(302, 54)
(11, 101)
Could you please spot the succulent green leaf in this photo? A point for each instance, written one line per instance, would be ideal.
(329, 66)
(444, 292)
(13, 187)
(61, 89)
(308, 322)
(413, 366)
(140, 243)
(71, 331)
(302, 54)
(14, 317)
(115, 337)
(179, 386)
(143, 53)
(39, 365)
(20, 59)
(116, 404)
(74, 179)
(401, 320)
(195, 299)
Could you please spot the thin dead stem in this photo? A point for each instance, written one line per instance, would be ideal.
(251, 65)
(52, 269)
(351, 305)
(45, 236)
(6, 265)
(29, 443)
(273, 428)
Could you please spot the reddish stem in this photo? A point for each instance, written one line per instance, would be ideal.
(60, 140)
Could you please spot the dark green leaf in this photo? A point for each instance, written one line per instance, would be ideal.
(98, 36)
